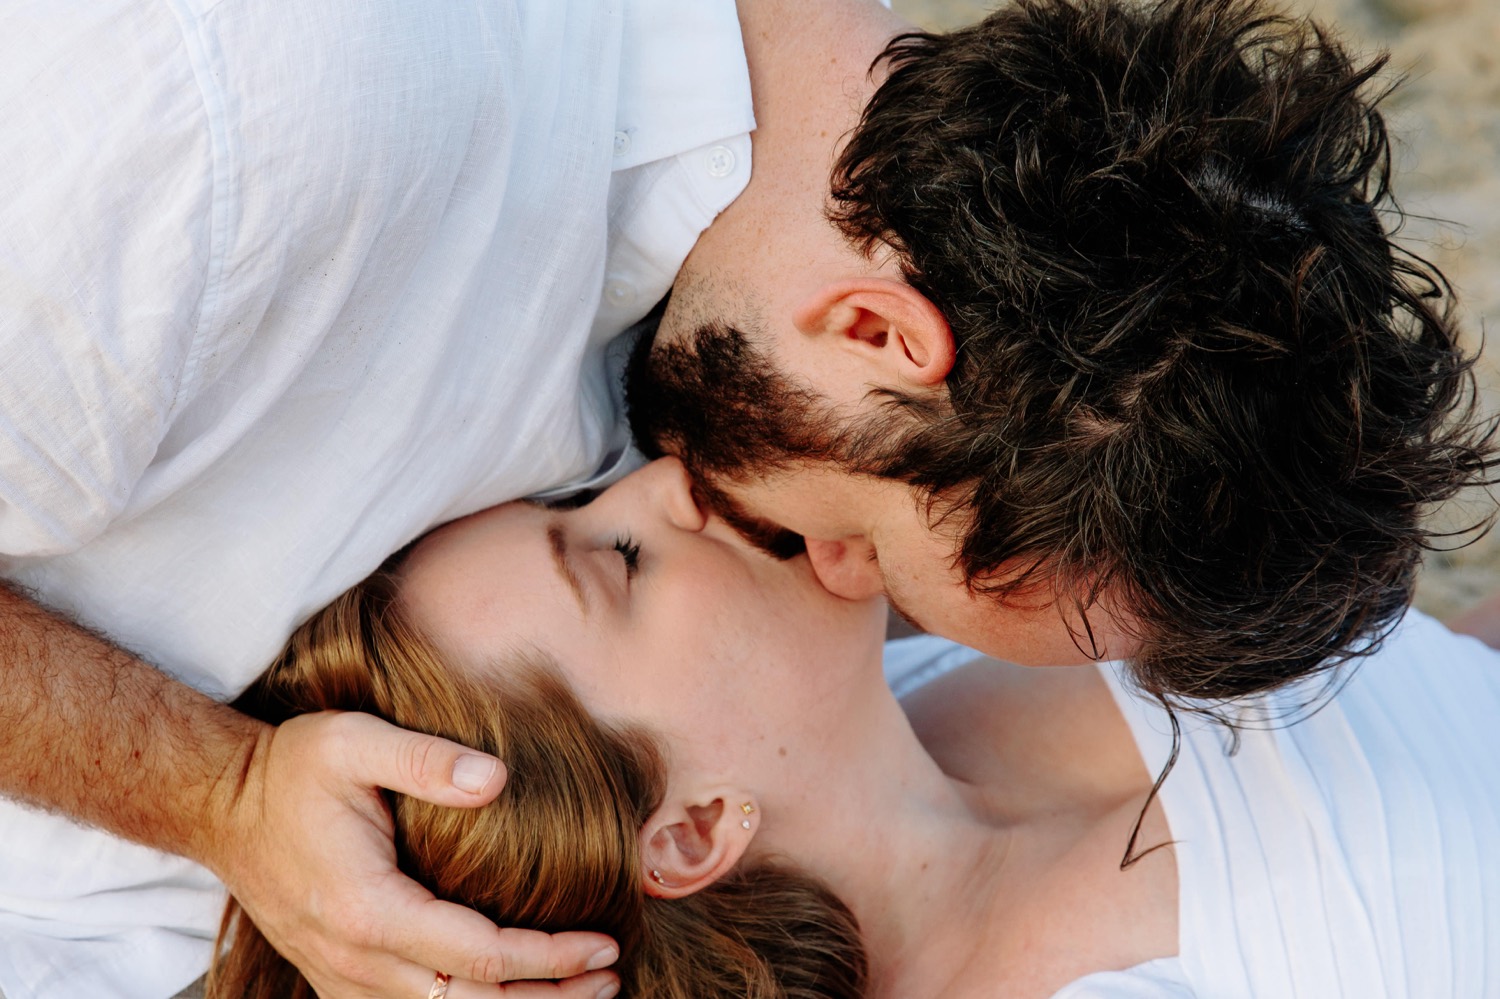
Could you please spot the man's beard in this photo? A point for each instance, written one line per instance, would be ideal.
(718, 403)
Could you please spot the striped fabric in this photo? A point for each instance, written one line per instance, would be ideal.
(1354, 854)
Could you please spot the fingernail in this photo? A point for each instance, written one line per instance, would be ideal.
(610, 990)
(471, 773)
(604, 959)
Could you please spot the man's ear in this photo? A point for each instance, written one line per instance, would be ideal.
(685, 847)
(885, 321)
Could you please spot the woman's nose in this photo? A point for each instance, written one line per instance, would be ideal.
(673, 487)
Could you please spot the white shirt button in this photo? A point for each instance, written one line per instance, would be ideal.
(622, 143)
(721, 161)
(619, 294)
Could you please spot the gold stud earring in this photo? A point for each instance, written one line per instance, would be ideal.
(748, 808)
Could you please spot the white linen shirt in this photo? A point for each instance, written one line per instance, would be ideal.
(280, 288)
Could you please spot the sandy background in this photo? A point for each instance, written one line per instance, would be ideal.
(1445, 122)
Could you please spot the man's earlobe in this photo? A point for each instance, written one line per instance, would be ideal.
(887, 322)
(846, 568)
(686, 848)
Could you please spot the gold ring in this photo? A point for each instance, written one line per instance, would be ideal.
(439, 987)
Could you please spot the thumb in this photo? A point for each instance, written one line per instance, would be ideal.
(373, 753)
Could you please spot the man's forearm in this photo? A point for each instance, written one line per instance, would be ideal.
(90, 731)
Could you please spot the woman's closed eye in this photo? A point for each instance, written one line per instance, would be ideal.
(630, 551)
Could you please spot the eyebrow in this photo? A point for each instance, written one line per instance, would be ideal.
(559, 544)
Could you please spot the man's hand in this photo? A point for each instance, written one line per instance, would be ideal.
(289, 817)
(306, 847)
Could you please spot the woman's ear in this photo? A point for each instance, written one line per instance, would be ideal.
(685, 847)
(885, 321)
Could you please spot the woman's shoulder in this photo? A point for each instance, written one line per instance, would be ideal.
(912, 663)
(1052, 735)
(1342, 842)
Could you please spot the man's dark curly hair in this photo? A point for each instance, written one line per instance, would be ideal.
(1193, 368)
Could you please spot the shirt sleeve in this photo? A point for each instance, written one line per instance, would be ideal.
(106, 250)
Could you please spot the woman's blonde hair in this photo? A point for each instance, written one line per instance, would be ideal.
(558, 849)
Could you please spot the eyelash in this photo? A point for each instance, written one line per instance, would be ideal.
(630, 551)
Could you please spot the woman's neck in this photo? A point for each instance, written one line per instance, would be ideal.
(904, 844)
(953, 832)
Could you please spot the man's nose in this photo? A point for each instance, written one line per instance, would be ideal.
(672, 487)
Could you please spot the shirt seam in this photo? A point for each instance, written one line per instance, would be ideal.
(221, 154)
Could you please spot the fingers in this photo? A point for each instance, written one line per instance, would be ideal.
(594, 985)
(466, 945)
(412, 982)
(372, 753)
